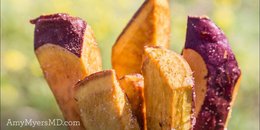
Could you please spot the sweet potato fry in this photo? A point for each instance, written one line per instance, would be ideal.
(216, 73)
(67, 52)
(133, 86)
(168, 90)
(149, 26)
(102, 103)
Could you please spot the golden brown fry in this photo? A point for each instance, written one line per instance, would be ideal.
(62, 63)
(168, 90)
(102, 103)
(133, 86)
(149, 26)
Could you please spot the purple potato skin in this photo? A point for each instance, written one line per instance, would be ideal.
(60, 29)
(204, 37)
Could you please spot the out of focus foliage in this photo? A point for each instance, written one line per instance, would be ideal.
(25, 93)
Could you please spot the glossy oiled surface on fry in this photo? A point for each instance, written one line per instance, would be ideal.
(90, 55)
(168, 90)
(102, 103)
(149, 26)
(133, 86)
(62, 70)
(200, 72)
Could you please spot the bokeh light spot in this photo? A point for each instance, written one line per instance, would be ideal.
(224, 17)
(9, 95)
(14, 60)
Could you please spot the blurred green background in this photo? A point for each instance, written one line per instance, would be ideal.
(25, 93)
